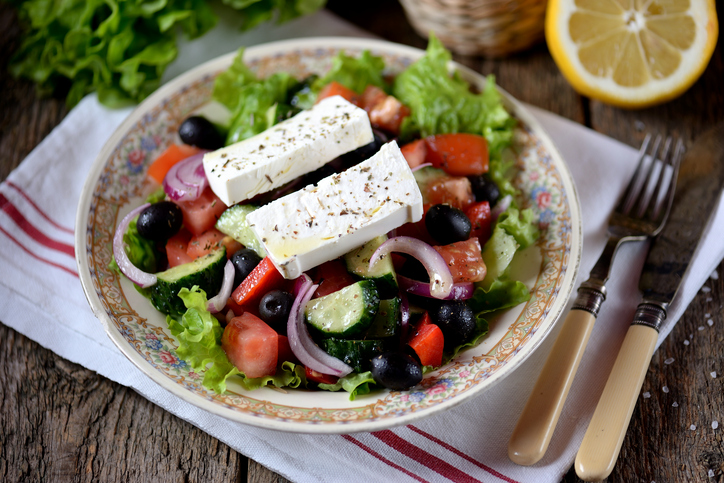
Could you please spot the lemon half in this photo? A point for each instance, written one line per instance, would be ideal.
(631, 53)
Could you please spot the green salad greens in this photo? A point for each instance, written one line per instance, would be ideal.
(120, 48)
(439, 103)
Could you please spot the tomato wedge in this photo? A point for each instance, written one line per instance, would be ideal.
(251, 345)
(202, 213)
(176, 247)
(334, 88)
(482, 221)
(458, 154)
(172, 155)
(332, 276)
(465, 260)
(415, 152)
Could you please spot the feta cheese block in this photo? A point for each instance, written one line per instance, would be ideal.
(287, 150)
(344, 211)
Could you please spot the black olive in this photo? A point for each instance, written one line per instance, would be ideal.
(447, 224)
(160, 221)
(396, 371)
(302, 94)
(274, 308)
(198, 131)
(456, 320)
(244, 260)
(485, 189)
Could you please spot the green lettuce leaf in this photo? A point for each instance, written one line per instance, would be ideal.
(120, 48)
(443, 103)
(481, 330)
(501, 295)
(356, 384)
(252, 102)
(355, 73)
(141, 252)
(199, 335)
(521, 225)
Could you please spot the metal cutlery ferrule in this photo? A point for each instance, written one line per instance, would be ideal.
(649, 314)
(591, 295)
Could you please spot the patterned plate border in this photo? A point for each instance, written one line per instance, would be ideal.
(118, 183)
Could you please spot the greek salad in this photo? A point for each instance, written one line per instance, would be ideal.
(345, 231)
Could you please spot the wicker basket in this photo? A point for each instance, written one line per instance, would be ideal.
(479, 27)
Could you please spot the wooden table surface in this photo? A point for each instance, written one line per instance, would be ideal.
(62, 422)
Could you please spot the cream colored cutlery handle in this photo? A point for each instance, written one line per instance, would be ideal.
(531, 436)
(598, 453)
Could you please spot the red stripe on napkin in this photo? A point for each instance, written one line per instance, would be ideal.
(423, 457)
(37, 208)
(33, 232)
(372, 452)
(452, 449)
(56, 265)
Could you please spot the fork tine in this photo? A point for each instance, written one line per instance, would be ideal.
(644, 193)
(634, 186)
(652, 189)
(669, 198)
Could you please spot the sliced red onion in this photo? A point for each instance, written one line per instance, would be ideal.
(132, 272)
(503, 204)
(441, 281)
(218, 302)
(301, 282)
(420, 166)
(301, 343)
(186, 180)
(460, 291)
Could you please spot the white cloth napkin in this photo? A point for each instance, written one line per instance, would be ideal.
(41, 297)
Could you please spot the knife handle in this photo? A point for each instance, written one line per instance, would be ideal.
(602, 442)
(535, 427)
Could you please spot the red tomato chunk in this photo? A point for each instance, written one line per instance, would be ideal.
(210, 241)
(464, 259)
(251, 345)
(482, 222)
(459, 154)
(176, 247)
(201, 214)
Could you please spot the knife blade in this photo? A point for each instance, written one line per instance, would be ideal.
(699, 187)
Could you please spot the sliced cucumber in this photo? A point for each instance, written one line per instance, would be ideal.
(497, 255)
(232, 222)
(357, 354)
(387, 320)
(207, 272)
(383, 273)
(344, 313)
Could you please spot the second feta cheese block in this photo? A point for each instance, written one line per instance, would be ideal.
(345, 210)
(287, 150)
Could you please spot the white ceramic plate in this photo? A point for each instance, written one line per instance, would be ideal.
(117, 184)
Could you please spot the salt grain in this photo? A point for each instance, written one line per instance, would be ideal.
(714, 275)
(711, 473)
(709, 299)
(710, 323)
(676, 405)
(701, 327)
(705, 289)
(692, 427)
(665, 389)
(707, 316)
(669, 360)
(647, 395)
(713, 374)
(714, 424)
(686, 342)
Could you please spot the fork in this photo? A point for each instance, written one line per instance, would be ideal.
(640, 214)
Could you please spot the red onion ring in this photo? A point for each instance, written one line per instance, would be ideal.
(503, 204)
(186, 180)
(301, 343)
(460, 290)
(423, 165)
(441, 281)
(218, 302)
(301, 282)
(132, 272)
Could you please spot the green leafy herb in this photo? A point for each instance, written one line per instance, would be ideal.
(141, 252)
(120, 48)
(355, 73)
(443, 103)
(356, 384)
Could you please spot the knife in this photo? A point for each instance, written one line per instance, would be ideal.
(699, 186)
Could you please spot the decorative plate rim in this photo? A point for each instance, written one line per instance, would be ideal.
(289, 425)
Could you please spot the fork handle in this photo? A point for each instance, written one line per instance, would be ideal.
(602, 442)
(535, 427)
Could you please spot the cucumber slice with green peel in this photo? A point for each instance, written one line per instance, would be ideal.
(357, 354)
(387, 320)
(207, 272)
(383, 273)
(345, 313)
(497, 255)
(232, 222)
